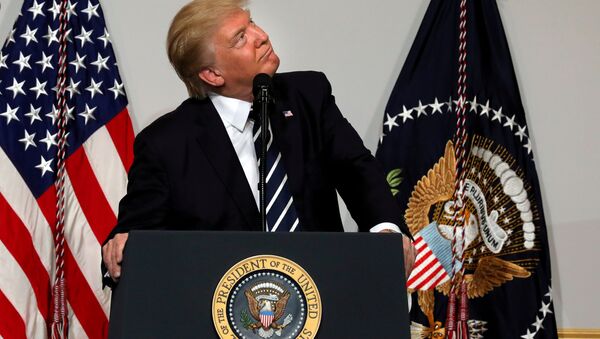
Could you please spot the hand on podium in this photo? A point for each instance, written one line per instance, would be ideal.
(410, 252)
(112, 254)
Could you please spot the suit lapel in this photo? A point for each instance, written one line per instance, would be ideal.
(215, 143)
(286, 126)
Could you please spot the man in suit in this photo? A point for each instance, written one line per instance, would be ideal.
(196, 167)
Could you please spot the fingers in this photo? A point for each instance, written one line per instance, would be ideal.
(410, 253)
(107, 256)
(121, 239)
(112, 253)
(409, 256)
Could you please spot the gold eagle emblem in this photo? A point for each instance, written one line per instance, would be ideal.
(430, 199)
(267, 308)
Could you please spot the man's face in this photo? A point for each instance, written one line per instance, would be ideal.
(242, 50)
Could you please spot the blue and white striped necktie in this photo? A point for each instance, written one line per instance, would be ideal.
(281, 213)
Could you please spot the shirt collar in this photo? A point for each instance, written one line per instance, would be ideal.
(232, 111)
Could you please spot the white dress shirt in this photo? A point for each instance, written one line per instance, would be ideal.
(234, 113)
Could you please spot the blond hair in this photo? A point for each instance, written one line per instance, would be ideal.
(189, 39)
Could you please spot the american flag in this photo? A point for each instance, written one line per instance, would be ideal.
(98, 155)
(432, 264)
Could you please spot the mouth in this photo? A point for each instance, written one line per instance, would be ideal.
(267, 53)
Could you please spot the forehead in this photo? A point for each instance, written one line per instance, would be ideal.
(233, 23)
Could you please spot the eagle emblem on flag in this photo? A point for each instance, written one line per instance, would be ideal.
(496, 232)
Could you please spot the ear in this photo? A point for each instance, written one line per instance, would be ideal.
(211, 76)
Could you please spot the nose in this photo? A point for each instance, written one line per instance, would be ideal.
(261, 37)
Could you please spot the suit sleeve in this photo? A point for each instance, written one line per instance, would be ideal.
(358, 177)
(145, 204)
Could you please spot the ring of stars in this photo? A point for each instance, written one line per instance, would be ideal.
(478, 109)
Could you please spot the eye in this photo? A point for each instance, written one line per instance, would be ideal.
(240, 40)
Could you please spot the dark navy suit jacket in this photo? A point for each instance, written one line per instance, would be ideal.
(186, 174)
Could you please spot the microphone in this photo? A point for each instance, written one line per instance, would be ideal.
(262, 87)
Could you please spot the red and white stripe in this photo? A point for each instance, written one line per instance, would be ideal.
(94, 183)
(428, 272)
(266, 319)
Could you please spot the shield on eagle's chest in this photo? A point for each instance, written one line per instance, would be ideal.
(266, 318)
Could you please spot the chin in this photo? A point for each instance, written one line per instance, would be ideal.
(272, 66)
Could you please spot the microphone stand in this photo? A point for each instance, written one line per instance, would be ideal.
(262, 184)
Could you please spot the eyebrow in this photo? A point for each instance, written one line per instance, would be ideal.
(242, 29)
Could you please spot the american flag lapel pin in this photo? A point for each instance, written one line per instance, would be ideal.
(288, 114)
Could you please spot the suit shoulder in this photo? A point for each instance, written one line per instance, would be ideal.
(175, 122)
(302, 78)
(310, 84)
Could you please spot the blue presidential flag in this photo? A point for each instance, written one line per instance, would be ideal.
(501, 237)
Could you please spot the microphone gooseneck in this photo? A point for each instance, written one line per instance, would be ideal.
(261, 88)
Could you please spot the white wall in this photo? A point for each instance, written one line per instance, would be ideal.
(555, 46)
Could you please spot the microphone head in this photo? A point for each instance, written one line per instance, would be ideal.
(261, 81)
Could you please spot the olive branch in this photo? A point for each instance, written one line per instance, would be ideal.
(245, 319)
(394, 179)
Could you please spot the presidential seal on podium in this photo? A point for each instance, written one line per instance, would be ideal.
(266, 296)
